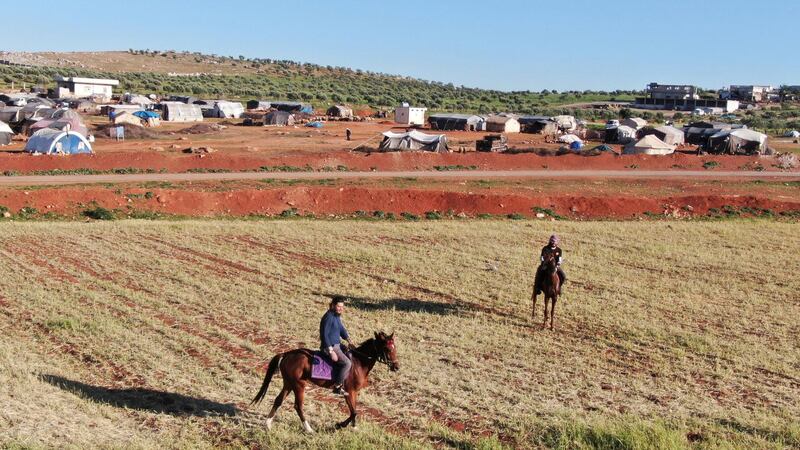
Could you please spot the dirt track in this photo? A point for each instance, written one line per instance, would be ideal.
(471, 174)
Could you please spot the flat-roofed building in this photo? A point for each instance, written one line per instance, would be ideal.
(84, 87)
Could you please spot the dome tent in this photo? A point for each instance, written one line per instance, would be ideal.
(649, 145)
(49, 141)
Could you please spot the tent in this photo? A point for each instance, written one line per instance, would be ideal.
(182, 99)
(569, 139)
(127, 118)
(464, 122)
(140, 100)
(649, 145)
(538, 125)
(49, 141)
(150, 118)
(292, 107)
(738, 141)
(5, 134)
(67, 114)
(565, 123)
(181, 112)
(634, 122)
(666, 133)
(71, 124)
(340, 111)
(10, 114)
(620, 135)
(227, 110)
(792, 134)
(603, 148)
(414, 140)
(502, 124)
(258, 104)
(278, 118)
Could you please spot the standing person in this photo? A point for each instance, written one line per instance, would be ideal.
(348, 133)
(331, 332)
(551, 247)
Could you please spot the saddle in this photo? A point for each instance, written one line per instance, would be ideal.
(322, 367)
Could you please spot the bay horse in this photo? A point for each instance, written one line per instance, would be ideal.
(295, 367)
(550, 284)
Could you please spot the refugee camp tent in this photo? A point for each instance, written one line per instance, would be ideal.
(71, 124)
(414, 140)
(792, 134)
(340, 111)
(65, 113)
(182, 99)
(634, 122)
(127, 118)
(49, 141)
(181, 112)
(5, 134)
(227, 110)
(649, 145)
(620, 135)
(10, 114)
(738, 141)
(292, 107)
(502, 124)
(666, 133)
(463, 122)
(278, 118)
(569, 139)
(149, 118)
(140, 100)
(42, 101)
(566, 123)
(537, 125)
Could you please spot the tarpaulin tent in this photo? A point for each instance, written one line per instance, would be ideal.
(227, 110)
(278, 118)
(340, 111)
(538, 125)
(738, 141)
(620, 135)
(181, 112)
(464, 122)
(569, 139)
(792, 134)
(292, 107)
(634, 122)
(126, 118)
(10, 114)
(649, 145)
(414, 140)
(258, 104)
(67, 114)
(5, 134)
(72, 124)
(149, 118)
(566, 123)
(48, 141)
(666, 133)
(502, 124)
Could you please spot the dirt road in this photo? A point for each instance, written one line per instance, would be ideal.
(471, 174)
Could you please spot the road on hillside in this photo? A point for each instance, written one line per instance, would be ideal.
(26, 180)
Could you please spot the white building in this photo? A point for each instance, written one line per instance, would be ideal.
(83, 87)
(408, 115)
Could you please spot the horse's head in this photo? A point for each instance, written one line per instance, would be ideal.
(387, 351)
(550, 262)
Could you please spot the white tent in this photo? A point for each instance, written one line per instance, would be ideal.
(566, 123)
(6, 133)
(792, 134)
(649, 145)
(228, 110)
(181, 112)
(634, 122)
(670, 134)
(414, 140)
(569, 139)
(49, 141)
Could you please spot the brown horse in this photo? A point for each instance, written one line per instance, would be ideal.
(550, 286)
(295, 366)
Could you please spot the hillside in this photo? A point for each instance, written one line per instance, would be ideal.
(247, 78)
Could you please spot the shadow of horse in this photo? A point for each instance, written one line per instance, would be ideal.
(398, 304)
(142, 399)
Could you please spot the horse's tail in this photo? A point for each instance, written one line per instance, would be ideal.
(273, 367)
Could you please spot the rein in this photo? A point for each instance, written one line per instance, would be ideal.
(382, 358)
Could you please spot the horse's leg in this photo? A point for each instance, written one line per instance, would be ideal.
(553, 313)
(299, 395)
(351, 405)
(277, 404)
(533, 300)
(544, 324)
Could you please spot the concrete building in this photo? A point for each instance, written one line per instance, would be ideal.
(749, 93)
(672, 91)
(409, 115)
(83, 87)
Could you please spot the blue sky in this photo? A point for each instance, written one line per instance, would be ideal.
(510, 45)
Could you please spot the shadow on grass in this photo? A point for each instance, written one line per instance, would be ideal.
(398, 304)
(143, 399)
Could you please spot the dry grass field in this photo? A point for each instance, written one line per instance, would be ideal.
(137, 334)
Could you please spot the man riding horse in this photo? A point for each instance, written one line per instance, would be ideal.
(331, 332)
(553, 249)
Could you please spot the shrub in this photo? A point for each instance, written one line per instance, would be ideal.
(516, 216)
(292, 212)
(433, 215)
(786, 161)
(409, 216)
(99, 213)
(710, 164)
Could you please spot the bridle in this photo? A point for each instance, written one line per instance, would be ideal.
(382, 356)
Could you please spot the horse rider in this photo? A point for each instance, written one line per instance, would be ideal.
(331, 332)
(551, 248)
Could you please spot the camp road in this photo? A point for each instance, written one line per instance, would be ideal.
(26, 180)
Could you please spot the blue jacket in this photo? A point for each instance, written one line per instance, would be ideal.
(332, 330)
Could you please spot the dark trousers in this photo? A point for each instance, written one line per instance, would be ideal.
(342, 365)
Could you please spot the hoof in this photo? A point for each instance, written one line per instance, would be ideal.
(269, 423)
(307, 428)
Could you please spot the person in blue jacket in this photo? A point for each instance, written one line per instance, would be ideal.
(331, 332)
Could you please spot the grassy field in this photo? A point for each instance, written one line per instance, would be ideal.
(154, 334)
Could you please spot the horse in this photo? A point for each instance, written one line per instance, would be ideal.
(295, 367)
(550, 286)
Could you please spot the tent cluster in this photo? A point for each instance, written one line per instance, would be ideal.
(718, 137)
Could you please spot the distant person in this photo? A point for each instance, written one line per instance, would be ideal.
(551, 247)
(348, 133)
(331, 332)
